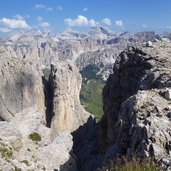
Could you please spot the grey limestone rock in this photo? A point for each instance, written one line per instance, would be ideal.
(136, 110)
(21, 87)
(68, 114)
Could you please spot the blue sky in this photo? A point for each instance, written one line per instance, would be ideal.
(56, 15)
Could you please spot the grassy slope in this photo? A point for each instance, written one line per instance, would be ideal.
(91, 91)
(91, 97)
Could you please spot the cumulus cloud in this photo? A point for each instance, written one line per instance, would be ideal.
(42, 23)
(119, 23)
(4, 30)
(14, 23)
(59, 8)
(80, 21)
(40, 6)
(107, 21)
(85, 9)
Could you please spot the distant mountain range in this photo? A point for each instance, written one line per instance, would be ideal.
(98, 47)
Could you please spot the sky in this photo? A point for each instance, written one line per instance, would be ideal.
(57, 15)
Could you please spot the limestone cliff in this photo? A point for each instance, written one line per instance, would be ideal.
(68, 114)
(21, 87)
(136, 119)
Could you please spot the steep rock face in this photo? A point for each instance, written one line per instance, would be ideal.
(21, 87)
(68, 114)
(136, 114)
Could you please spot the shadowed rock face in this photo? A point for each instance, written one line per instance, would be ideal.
(68, 114)
(135, 120)
(21, 87)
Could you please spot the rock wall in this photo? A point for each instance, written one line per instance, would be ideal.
(136, 110)
(68, 114)
(21, 87)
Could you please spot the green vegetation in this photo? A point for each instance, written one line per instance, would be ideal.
(28, 149)
(5, 151)
(46, 72)
(25, 162)
(91, 91)
(35, 137)
(17, 169)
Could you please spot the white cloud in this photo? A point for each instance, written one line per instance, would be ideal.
(60, 8)
(4, 30)
(40, 6)
(44, 24)
(119, 23)
(49, 9)
(85, 9)
(80, 21)
(107, 21)
(144, 26)
(14, 23)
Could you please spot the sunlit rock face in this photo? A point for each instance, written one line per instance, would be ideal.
(21, 87)
(68, 114)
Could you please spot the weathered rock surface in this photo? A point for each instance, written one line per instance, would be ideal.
(68, 114)
(21, 86)
(136, 117)
(39, 152)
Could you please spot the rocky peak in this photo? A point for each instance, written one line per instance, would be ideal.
(101, 33)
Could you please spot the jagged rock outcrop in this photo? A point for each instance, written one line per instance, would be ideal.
(21, 87)
(137, 110)
(26, 144)
(68, 114)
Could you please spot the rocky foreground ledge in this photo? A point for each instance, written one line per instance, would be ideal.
(137, 105)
